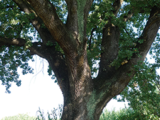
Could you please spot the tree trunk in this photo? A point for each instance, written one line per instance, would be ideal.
(86, 107)
(84, 97)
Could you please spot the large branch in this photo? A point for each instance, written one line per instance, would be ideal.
(109, 50)
(115, 80)
(8, 41)
(109, 45)
(18, 42)
(149, 32)
(77, 18)
(24, 6)
(47, 12)
(54, 57)
(36, 21)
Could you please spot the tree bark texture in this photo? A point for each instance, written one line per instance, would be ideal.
(84, 97)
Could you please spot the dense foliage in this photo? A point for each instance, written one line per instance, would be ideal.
(143, 93)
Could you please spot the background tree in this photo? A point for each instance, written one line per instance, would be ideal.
(143, 92)
(72, 35)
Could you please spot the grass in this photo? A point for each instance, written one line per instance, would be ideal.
(126, 114)
(123, 114)
(55, 113)
(19, 117)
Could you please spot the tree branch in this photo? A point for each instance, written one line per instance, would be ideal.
(47, 12)
(115, 80)
(116, 5)
(24, 6)
(36, 21)
(109, 50)
(149, 32)
(8, 41)
(55, 59)
(19, 42)
(77, 18)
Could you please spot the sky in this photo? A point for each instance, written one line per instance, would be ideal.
(37, 90)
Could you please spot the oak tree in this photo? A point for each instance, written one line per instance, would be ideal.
(73, 35)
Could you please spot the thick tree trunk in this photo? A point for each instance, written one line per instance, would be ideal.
(78, 103)
(85, 108)
(83, 103)
(83, 99)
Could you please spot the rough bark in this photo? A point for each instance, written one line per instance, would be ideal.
(84, 97)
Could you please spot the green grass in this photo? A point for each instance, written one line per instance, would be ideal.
(126, 114)
(19, 117)
(123, 114)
